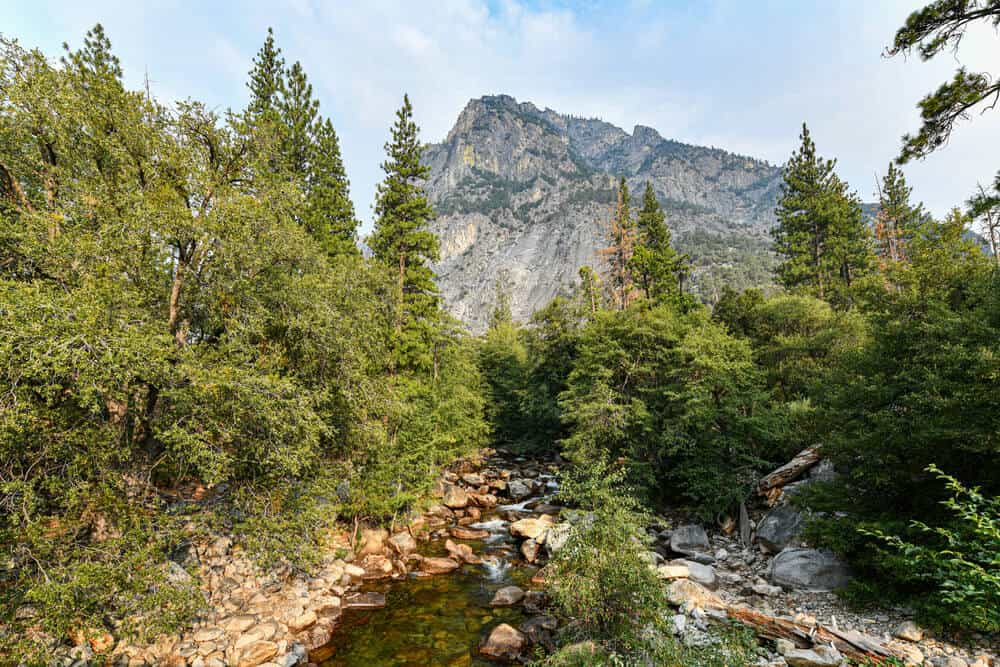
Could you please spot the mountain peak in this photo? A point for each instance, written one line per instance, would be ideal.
(523, 198)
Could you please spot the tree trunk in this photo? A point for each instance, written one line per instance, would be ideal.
(770, 485)
(853, 645)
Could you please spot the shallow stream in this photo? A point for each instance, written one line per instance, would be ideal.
(438, 621)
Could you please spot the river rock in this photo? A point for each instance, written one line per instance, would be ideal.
(517, 489)
(693, 595)
(403, 543)
(531, 528)
(779, 528)
(809, 570)
(373, 542)
(461, 552)
(909, 631)
(438, 565)
(818, 656)
(473, 479)
(455, 497)
(689, 540)
(703, 574)
(462, 533)
(507, 596)
(673, 571)
(503, 643)
(257, 653)
(529, 549)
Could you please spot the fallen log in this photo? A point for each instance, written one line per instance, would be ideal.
(791, 471)
(853, 645)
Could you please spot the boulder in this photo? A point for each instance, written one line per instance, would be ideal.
(256, 653)
(673, 572)
(372, 542)
(403, 543)
(461, 552)
(473, 479)
(689, 540)
(693, 595)
(703, 574)
(779, 528)
(507, 596)
(438, 565)
(503, 643)
(532, 528)
(909, 631)
(809, 570)
(455, 497)
(818, 656)
(517, 489)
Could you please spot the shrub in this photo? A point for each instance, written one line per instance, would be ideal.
(960, 562)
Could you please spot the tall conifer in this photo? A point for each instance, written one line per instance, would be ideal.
(622, 237)
(402, 242)
(821, 234)
(329, 213)
(656, 265)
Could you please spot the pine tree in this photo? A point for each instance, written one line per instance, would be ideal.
(402, 242)
(298, 111)
(897, 218)
(266, 78)
(821, 233)
(622, 237)
(656, 265)
(329, 216)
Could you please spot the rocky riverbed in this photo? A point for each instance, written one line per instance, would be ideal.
(461, 583)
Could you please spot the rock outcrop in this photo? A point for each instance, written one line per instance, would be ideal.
(523, 197)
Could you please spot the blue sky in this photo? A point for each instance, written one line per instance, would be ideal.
(737, 75)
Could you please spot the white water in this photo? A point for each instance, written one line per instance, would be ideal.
(496, 568)
(494, 526)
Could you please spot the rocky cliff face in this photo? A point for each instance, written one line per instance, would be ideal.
(524, 196)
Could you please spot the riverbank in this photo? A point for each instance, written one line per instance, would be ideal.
(462, 582)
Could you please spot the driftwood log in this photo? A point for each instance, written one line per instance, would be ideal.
(770, 485)
(853, 645)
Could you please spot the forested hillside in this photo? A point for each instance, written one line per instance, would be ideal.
(221, 425)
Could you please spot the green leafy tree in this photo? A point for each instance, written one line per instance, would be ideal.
(402, 242)
(938, 27)
(821, 235)
(985, 207)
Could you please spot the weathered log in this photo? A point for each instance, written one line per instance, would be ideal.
(853, 645)
(789, 472)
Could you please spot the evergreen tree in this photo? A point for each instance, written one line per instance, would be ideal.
(656, 265)
(329, 213)
(821, 233)
(897, 218)
(985, 207)
(622, 238)
(402, 242)
(266, 78)
(298, 111)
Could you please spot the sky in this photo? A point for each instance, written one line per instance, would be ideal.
(737, 75)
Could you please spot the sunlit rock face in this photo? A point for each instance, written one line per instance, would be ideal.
(524, 196)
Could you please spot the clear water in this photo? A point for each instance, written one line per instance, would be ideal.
(437, 621)
(428, 621)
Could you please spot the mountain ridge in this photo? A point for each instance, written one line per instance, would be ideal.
(523, 195)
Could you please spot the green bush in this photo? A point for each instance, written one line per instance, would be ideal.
(959, 562)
